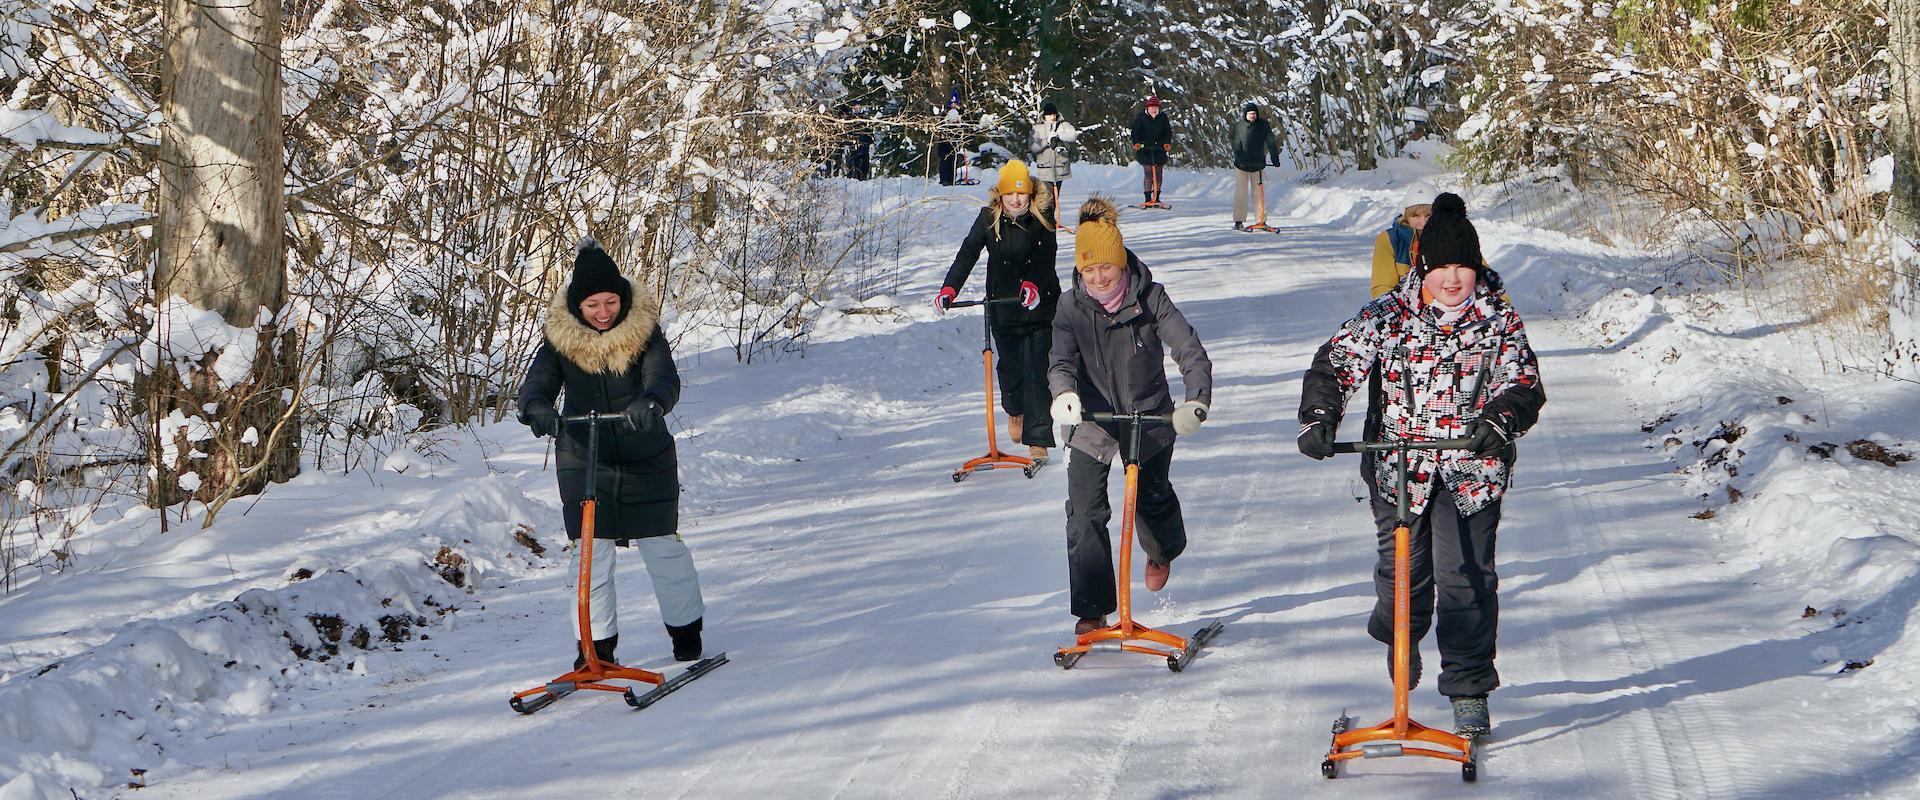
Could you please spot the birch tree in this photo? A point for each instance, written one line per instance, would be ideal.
(221, 375)
(1903, 218)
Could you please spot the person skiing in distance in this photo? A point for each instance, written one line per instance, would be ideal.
(1021, 249)
(1048, 147)
(1111, 338)
(1448, 332)
(604, 349)
(950, 135)
(1253, 151)
(1393, 249)
(1152, 135)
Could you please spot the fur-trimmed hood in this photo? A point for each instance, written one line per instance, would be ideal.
(608, 353)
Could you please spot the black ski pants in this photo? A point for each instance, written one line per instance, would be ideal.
(1450, 566)
(1158, 525)
(1020, 367)
(950, 155)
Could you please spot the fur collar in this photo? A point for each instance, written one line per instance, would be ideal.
(598, 353)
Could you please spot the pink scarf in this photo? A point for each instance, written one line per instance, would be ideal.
(1114, 298)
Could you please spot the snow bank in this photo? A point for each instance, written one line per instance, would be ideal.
(84, 721)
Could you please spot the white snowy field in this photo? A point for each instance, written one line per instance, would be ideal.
(891, 631)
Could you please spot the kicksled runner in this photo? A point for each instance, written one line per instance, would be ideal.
(595, 673)
(1127, 636)
(994, 459)
(1400, 736)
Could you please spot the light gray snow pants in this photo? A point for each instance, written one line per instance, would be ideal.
(676, 585)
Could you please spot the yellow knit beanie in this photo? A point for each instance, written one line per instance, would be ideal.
(1014, 178)
(1098, 239)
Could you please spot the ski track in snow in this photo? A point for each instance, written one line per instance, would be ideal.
(1678, 748)
(891, 632)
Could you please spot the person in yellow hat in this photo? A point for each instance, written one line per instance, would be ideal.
(1020, 248)
(1111, 339)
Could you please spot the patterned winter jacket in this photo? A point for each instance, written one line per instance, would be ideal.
(1480, 366)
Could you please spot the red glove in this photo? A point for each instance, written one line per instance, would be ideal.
(1029, 295)
(1136, 145)
(944, 300)
(1167, 147)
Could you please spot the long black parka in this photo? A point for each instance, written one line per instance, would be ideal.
(637, 484)
(1022, 249)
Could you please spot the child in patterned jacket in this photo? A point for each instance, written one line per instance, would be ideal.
(1448, 332)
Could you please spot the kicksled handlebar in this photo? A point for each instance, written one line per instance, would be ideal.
(972, 303)
(1379, 447)
(1110, 416)
(591, 417)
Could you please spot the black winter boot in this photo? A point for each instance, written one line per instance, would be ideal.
(686, 640)
(1413, 667)
(602, 650)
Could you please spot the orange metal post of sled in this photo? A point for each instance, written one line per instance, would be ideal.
(1400, 736)
(595, 672)
(994, 459)
(1126, 634)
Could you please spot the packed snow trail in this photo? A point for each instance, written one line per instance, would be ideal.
(891, 632)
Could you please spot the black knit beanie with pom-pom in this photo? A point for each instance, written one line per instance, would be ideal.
(594, 272)
(1449, 238)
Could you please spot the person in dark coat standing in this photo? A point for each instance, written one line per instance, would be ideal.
(1111, 338)
(1253, 151)
(1021, 248)
(1449, 335)
(950, 136)
(1152, 141)
(857, 149)
(604, 349)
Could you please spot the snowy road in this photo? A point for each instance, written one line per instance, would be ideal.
(891, 631)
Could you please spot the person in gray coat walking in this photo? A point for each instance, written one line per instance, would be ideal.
(1047, 148)
(1111, 335)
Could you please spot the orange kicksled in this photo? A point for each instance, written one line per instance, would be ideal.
(1399, 736)
(1126, 635)
(994, 459)
(596, 671)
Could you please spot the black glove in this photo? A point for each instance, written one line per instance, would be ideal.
(1489, 438)
(542, 419)
(1055, 142)
(1316, 435)
(644, 414)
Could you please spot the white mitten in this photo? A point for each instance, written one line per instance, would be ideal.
(1066, 409)
(1187, 418)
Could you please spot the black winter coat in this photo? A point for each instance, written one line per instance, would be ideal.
(1253, 146)
(637, 483)
(1153, 134)
(1024, 250)
(1117, 362)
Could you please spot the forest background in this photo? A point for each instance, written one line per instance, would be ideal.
(242, 241)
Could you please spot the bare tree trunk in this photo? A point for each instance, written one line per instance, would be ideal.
(222, 213)
(1903, 46)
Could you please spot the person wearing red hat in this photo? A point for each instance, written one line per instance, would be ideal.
(1021, 248)
(1152, 141)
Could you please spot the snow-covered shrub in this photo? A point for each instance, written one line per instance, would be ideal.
(1759, 125)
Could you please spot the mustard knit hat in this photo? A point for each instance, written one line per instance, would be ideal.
(1098, 239)
(1014, 178)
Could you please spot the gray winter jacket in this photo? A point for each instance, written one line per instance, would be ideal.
(1050, 162)
(1117, 362)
